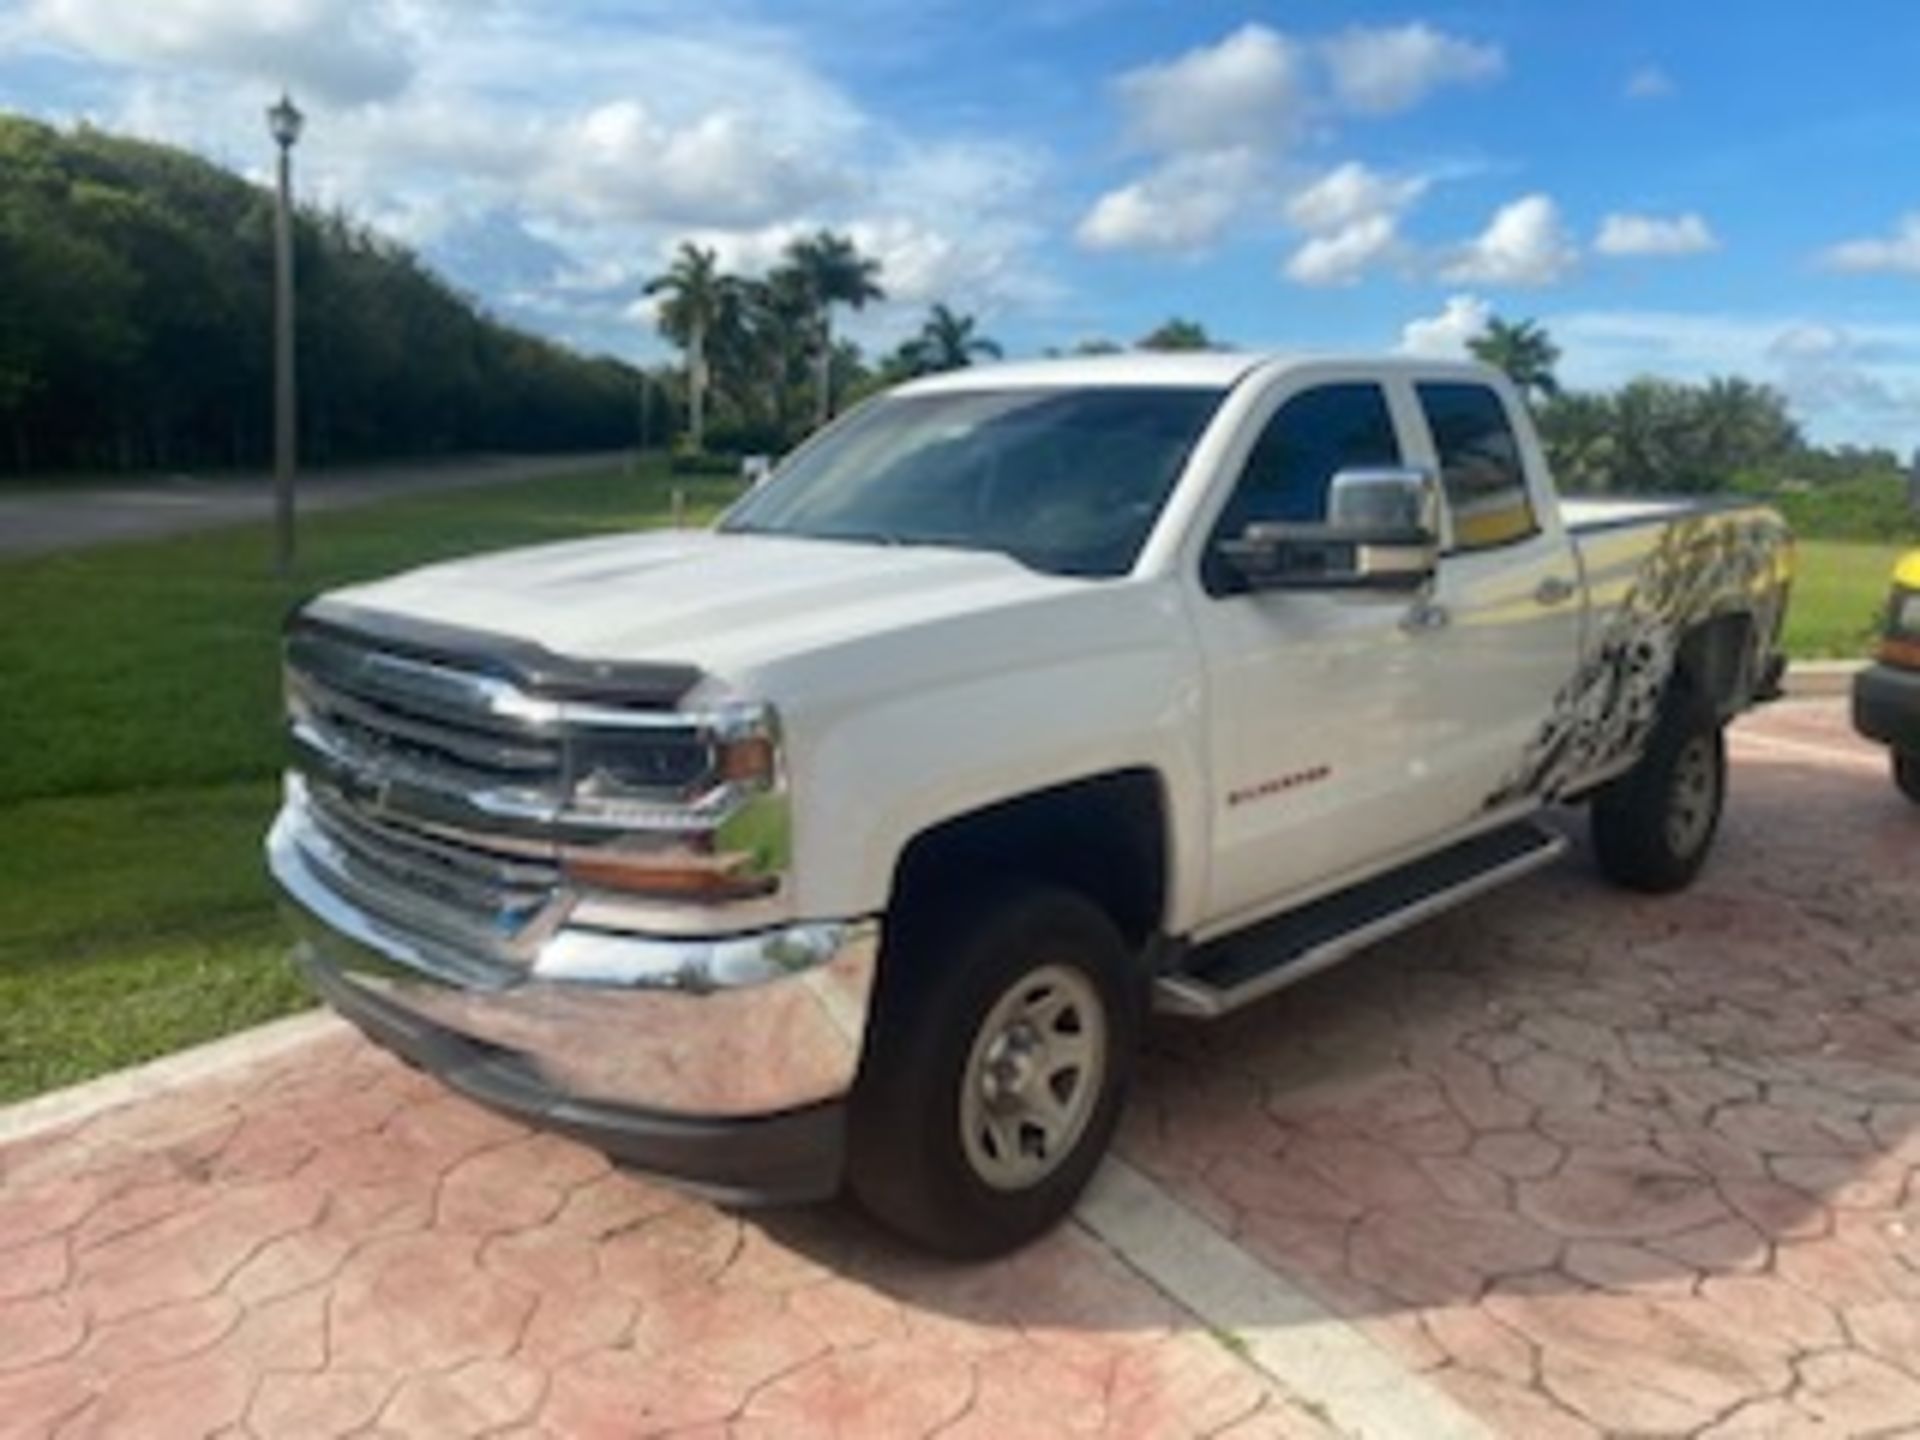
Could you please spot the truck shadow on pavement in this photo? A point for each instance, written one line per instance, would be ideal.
(1586, 1158)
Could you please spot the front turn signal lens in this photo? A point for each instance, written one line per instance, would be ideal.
(670, 874)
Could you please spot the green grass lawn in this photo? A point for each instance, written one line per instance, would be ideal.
(1839, 593)
(139, 751)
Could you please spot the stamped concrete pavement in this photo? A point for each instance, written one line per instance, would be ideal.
(1569, 1162)
(1602, 1164)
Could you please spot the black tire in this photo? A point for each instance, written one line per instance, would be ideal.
(949, 969)
(1654, 826)
(1906, 774)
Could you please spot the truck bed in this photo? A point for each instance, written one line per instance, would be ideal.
(1585, 515)
(1656, 572)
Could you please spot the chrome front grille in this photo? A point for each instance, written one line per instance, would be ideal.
(428, 793)
(369, 715)
(388, 732)
(482, 890)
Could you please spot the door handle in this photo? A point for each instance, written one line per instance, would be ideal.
(1424, 617)
(1554, 590)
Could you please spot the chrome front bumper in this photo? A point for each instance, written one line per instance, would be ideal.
(616, 1038)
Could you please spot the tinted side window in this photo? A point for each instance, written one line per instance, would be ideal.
(1309, 440)
(1480, 467)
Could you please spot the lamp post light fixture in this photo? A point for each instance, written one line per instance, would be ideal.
(284, 123)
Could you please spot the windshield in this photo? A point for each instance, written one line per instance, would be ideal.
(1068, 482)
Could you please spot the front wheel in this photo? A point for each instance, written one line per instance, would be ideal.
(1653, 827)
(1906, 774)
(1006, 1031)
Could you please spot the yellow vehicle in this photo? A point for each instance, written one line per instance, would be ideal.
(1886, 696)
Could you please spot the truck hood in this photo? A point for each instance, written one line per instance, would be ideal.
(724, 603)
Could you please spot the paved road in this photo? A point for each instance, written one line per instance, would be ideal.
(38, 521)
(1568, 1163)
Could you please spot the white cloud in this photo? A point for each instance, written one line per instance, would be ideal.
(347, 51)
(1221, 117)
(1444, 336)
(1351, 193)
(979, 270)
(1827, 368)
(1897, 254)
(1386, 70)
(1352, 216)
(1181, 206)
(1247, 90)
(1857, 384)
(904, 221)
(1525, 244)
(618, 161)
(549, 156)
(1687, 234)
(1343, 256)
(1648, 82)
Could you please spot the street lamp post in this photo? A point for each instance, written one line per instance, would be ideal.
(284, 122)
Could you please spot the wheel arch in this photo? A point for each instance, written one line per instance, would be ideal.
(1716, 662)
(1106, 836)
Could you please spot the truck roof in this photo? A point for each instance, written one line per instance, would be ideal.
(1179, 369)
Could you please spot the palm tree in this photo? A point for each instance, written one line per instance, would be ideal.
(836, 274)
(695, 293)
(734, 352)
(1524, 351)
(1651, 431)
(946, 342)
(1740, 425)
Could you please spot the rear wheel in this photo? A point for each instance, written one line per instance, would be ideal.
(1906, 774)
(1004, 1041)
(1653, 827)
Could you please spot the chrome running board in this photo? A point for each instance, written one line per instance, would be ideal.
(1236, 970)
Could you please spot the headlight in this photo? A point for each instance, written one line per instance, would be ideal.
(693, 807)
(647, 768)
(619, 773)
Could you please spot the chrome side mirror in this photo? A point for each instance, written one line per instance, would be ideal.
(1401, 501)
(1382, 533)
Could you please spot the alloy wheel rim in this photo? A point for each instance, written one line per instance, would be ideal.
(1033, 1077)
(1691, 805)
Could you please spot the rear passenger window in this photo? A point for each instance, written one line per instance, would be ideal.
(1309, 440)
(1480, 467)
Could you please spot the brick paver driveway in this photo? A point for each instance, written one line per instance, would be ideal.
(1569, 1161)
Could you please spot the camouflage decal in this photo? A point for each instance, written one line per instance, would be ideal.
(1704, 566)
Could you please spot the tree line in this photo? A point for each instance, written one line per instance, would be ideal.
(136, 311)
(1724, 434)
(763, 365)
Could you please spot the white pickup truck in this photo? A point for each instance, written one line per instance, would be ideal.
(845, 846)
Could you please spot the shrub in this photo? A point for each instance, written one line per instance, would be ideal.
(1868, 507)
(686, 460)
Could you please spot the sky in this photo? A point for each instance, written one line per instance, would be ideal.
(1674, 190)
